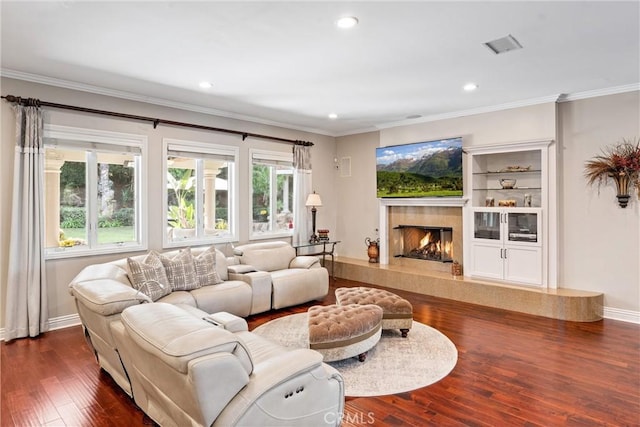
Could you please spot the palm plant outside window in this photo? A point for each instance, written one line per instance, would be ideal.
(199, 193)
(272, 194)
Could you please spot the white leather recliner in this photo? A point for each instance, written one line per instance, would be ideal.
(186, 371)
(295, 279)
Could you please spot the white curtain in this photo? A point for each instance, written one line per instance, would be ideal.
(301, 187)
(26, 310)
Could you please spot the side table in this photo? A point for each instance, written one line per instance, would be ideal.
(328, 248)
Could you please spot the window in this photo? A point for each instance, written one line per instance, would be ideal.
(94, 197)
(271, 194)
(200, 194)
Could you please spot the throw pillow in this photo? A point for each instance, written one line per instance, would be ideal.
(148, 276)
(180, 271)
(205, 265)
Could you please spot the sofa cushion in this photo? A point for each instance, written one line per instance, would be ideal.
(148, 276)
(206, 268)
(180, 270)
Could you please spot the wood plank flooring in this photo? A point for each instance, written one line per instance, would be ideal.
(513, 370)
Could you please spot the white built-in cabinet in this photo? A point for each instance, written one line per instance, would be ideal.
(507, 230)
(506, 244)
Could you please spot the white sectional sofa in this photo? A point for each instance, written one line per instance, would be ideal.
(275, 278)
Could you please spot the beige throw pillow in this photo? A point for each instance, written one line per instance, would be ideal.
(148, 276)
(205, 265)
(180, 271)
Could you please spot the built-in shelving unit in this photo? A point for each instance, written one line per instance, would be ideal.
(507, 229)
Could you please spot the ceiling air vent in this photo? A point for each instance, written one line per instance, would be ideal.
(504, 44)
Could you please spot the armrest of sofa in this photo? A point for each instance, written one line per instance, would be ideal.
(305, 261)
(260, 282)
(241, 269)
(106, 296)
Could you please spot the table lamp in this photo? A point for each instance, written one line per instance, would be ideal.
(313, 200)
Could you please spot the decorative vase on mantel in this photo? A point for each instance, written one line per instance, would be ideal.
(622, 186)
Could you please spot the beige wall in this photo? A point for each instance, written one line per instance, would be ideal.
(599, 241)
(60, 272)
(608, 262)
(357, 203)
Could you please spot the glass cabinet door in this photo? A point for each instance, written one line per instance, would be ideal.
(523, 227)
(486, 225)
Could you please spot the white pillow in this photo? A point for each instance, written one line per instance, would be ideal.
(180, 271)
(205, 265)
(149, 277)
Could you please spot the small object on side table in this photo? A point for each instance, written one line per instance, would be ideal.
(323, 234)
(456, 269)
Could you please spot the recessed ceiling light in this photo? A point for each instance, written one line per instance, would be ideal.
(347, 22)
(470, 87)
(205, 85)
(333, 116)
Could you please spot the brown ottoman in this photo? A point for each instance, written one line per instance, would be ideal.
(342, 331)
(397, 311)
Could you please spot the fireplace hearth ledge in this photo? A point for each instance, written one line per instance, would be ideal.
(561, 303)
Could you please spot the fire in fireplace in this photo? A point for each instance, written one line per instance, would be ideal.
(427, 243)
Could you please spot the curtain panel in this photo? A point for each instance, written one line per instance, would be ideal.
(26, 309)
(302, 187)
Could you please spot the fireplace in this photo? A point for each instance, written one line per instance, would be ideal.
(425, 242)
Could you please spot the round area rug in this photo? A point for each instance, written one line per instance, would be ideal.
(394, 365)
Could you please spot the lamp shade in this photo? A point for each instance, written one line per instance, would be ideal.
(314, 200)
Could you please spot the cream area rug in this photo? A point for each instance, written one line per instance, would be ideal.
(394, 365)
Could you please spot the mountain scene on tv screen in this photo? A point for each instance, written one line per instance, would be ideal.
(420, 170)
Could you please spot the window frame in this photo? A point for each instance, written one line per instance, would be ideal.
(275, 156)
(77, 137)
(202, 148)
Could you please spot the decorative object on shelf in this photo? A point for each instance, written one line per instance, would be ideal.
(372, 249)
(508, 184)
(621, 163)
(313, 200)
(323, 234)
(516, 169)
(507, 203)
(456, 269)
(527, 200)
(489, 202)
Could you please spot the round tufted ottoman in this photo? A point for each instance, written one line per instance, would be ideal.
(342, 331)
(398, 312)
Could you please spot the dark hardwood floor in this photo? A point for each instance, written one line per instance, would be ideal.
(513, 370)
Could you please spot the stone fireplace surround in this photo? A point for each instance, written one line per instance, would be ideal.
(432, 212)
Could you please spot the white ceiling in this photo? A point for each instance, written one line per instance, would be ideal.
(287, 63)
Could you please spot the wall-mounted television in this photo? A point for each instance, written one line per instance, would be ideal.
(421, 169)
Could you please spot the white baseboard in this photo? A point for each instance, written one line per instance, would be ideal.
(622, 315)
(56, 323)
(608, 313)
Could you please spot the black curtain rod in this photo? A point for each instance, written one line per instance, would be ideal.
(37, 103)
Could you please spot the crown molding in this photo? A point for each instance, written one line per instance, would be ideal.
(98, 90)
(130, 96)
(473, 111)
(600, 92)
